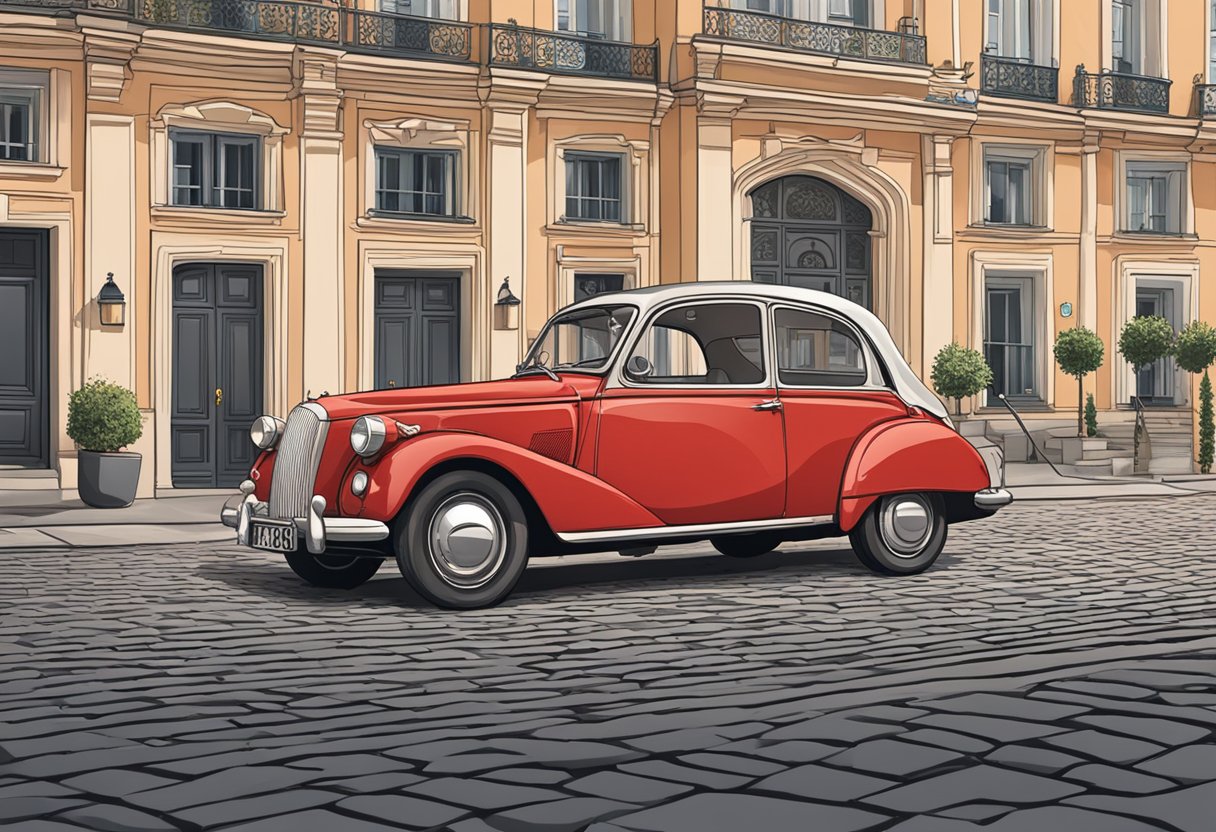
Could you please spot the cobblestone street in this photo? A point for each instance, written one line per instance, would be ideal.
(1055, 671)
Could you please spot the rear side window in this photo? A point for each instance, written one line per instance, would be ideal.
(704, 344)
(814, 350)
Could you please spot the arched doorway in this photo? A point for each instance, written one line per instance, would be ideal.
(807, 232)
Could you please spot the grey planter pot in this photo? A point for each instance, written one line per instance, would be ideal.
(108, 480)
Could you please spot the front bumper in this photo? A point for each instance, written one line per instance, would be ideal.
(990, 499)
(319, 532)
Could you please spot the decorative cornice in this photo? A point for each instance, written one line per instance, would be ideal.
(108, 48)
(220, 114)
(317, 82)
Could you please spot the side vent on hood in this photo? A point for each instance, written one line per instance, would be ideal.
(554, 444)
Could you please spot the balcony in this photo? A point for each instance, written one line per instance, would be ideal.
(571, 54)
(818, 38)
(1016, 78)
(1121, 91)
(286, 20)
(1205, 99)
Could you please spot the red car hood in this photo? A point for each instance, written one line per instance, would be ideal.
(527, 389)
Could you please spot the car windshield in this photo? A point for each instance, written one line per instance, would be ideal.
(583, 339)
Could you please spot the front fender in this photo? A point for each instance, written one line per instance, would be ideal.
(907, 455)
(570, 499)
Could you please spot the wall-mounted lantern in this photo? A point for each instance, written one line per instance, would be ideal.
(506, 308)
(112, 303)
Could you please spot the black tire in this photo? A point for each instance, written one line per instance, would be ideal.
(333, 571)
(463, 571)
(908, 548)
(746, 545)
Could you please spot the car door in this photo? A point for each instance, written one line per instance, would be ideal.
(698, 439)
(832, 392)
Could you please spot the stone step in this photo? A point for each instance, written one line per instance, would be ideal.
(1101, 468)
(1111, 453)
(1170, 465)
(28, 479)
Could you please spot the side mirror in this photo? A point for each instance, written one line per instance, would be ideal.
(638, 366)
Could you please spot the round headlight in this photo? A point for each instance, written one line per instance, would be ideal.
(367, 435)
(265, 431)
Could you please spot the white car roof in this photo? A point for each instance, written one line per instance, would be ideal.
(910, 388)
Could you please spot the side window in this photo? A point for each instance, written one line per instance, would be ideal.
(817, 351)
(715, 343)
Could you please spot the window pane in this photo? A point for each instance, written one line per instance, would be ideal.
(187, 172)
(815, 350)
(704, 344)
(1017, 194)
(998, 173)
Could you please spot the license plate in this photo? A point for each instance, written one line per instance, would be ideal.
(272, 536)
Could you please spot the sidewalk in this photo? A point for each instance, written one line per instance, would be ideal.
(34, 520)
(60, 521)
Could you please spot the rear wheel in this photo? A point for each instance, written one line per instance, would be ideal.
(901, 534)
(746, 545)
(333, 571)
(463, 542)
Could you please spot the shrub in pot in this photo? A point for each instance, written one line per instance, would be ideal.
(1195, 351)
(959, 373)
(103, 418)
(1079, 352)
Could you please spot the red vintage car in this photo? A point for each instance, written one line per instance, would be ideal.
(739, 413)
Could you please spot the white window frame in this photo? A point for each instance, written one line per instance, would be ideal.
(428, 135)
(1035, 159)
(573, 158)
(211, 168)
(1176, 172)
(451, 175)
(437, 9)
(598, 19)
(640, 184)
(30, 88)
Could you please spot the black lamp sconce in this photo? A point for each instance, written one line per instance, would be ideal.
(112, 303)
(506, 308)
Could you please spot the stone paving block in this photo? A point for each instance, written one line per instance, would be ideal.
(893, 757)
(731, 763)
(117, 782)
(734, 812)
(1006, 705)
(317, 820)
(1104, 689)
(947, 739)
(474, 763)
(1193, 764)
(1163, 731)
(262, 806)
(789, 751)
(411, 812)
(1109, 748)
(976, 811)
(831, 728)
(481, 794)
(1118, 780)
(1033, 759)
(817, 782)
(225, 785)
(569, 815)
(15, 809)
(105, 817)
(349, 765)
(701, 778)
(529, 776)
(389, 781)
(616, 785)
(980, 782)
(990, 728)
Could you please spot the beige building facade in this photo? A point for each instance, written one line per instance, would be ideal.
(301, 197)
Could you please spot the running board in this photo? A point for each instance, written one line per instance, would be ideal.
(701, 530)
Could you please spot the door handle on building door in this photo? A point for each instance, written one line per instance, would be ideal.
(219, 396)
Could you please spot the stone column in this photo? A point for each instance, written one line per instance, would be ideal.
(321, 202)
(715, 198)
(507, 255)
(1087, 289)
(937, 328)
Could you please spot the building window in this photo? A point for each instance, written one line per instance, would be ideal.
(594, 187)
(215, 170)
(416, 181)
(1212, 42)
(1125, 35)
(1012, 179)
(1155, 197)
(445, 9)
(587, 286)
(23, 96)
(840, 12)
(601, 19)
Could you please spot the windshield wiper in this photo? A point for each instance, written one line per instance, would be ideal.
(573, 365)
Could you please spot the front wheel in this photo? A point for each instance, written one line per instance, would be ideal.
(463, 542)
(331, 571)
(901, 534)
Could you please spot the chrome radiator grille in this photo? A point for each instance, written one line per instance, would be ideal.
(296, 462)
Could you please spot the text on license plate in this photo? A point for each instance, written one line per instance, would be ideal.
(275, 537)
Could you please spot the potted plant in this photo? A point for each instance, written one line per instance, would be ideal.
(1079, 352)
(1195, 350)
(103, 418)
(959, 372)
(1144, 340)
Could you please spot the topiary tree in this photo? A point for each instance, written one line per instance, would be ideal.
(1091, 416)
(959, 372)
(1195, 350)
(103, 417)
(1079, 352)
(1145, 339)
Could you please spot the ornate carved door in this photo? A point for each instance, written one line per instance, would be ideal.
(807, 232)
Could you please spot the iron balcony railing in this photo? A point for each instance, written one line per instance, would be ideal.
(1121, 91)
(809, 36)
(1017, 78)
(574, 54)
(1205, 99)
(287, 20)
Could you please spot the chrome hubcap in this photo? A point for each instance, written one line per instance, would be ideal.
(906, 525)
(467, 540)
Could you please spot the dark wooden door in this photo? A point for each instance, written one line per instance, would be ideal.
(217, 372)
(24, 348)
(417, 329)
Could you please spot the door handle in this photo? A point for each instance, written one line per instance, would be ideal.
(770, 405)
(392, 383)
(219, 396)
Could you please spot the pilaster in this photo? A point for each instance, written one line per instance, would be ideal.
(938, 273)
(715, 177)
(507, 239)
(1087, 290)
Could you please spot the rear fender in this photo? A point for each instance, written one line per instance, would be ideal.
(907, 455)
(570, 499)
